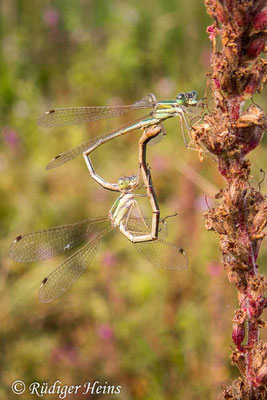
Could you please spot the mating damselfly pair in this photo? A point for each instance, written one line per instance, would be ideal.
(143, 232)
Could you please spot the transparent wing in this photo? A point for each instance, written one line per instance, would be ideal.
(157, 139)
(78, 150)
(79, 115)
(163, 254)
(136, 225)
(64, 276)
(147, 101)
(51, 242)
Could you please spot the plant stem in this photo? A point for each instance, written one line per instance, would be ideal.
(229, 132)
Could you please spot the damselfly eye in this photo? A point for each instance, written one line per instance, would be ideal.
(192, 94)
(123, 183)
(180, 96)
(191, 97)
(133, 180)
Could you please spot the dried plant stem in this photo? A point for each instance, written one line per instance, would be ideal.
(229, 132)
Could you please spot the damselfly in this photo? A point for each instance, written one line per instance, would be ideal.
(51, 242)
(161, 110)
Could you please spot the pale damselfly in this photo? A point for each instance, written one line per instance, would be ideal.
(51, 242)
(161, 110)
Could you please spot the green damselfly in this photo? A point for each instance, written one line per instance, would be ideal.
(161, 110)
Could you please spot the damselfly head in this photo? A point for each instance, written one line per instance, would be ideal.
(123, 183)
(187, 98)
(191, 97)
(127, 182)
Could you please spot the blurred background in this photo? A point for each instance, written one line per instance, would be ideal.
(158, 334)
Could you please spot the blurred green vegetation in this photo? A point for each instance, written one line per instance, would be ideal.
(158, 334)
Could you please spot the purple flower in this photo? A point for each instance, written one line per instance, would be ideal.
(214, 269)
(105, 331)
(11, 138)
(109, 259)
(51, 17)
